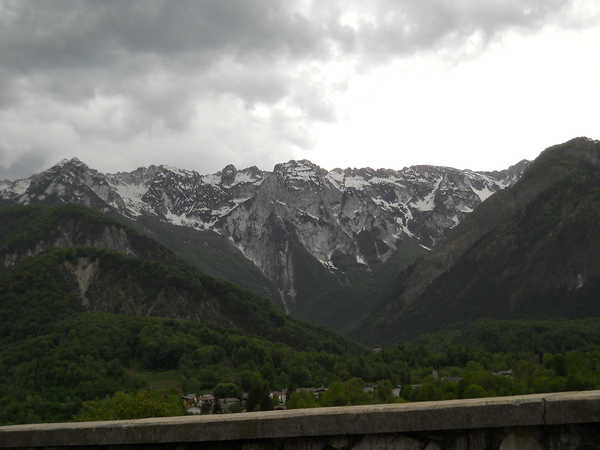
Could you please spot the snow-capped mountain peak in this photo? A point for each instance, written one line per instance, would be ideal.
(297, 175)
(362, 213)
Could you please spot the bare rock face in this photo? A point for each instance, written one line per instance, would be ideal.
(228, 175)
(83, 271)
(68, 234)
(359, 215)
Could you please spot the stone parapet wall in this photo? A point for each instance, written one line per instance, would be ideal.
(542, 421)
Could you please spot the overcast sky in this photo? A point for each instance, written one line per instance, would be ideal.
(198, 84)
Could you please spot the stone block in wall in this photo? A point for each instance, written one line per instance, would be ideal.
(478, 440)
(521, 441)
(573, 437)
(432, 445)
(260, 444)
(460, 442)
(305, 444)
(389, 442)
(340, 442)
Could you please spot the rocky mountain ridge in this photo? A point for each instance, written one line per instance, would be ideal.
(339, 217)
(531, 251)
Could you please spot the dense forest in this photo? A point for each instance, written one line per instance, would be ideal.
(72, 354)
(59, 362)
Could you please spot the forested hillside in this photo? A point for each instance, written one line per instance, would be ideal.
(29, 230)
(73, 320)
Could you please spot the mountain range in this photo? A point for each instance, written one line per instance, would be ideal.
(322, 245)
(529, 251)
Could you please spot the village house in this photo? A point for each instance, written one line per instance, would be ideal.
(505, 373)
(447, 378)
(206, 403)
(316, 391)
(198, 403)
(189, 401)
(282, 395)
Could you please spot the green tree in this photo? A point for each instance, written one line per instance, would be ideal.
(276, 401)
(355, 394)
(335, 395)
(258, 397)
(223, 390)
(247, 378)
(302, 399)
(300, 376)
(474, 391)
(383, 392)
(133, 405)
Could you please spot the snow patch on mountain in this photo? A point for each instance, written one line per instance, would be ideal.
(361, 260)
(355, 182)
(336, 178)
(132, 195)
(242, 177)
(212, 179)
(177, 171)
(427, 203)
(483, 193)
(11, 189)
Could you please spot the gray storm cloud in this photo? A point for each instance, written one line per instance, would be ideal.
(121, 84)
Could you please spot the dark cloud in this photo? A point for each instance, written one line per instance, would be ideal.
(66, 33)
(410, 26)
(26, 163)
(70, 47)
(112, 73)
